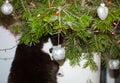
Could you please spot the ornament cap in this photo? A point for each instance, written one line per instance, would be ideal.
(102, 4)
(6, 1)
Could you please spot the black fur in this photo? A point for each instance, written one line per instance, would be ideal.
(32, 65)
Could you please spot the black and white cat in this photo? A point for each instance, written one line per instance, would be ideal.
(34, 64)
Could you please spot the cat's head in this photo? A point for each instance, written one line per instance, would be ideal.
(49, 42)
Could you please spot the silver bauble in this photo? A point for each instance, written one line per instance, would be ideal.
(102, 11)
(7, 8)
(114, 64)
(58, 53)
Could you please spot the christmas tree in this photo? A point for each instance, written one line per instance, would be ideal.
(85, 31)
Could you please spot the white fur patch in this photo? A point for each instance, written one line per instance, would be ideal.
(47, 46)
(60, 72)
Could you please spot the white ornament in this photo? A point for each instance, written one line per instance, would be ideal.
(6, 8)
(114, 64)
(102, 11)
(58, 53)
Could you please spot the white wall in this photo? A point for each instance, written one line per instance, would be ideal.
(78, 74)
(7, 40)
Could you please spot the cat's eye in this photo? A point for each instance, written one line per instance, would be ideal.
(51, 50)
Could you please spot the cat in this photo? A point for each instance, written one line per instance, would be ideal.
(35, 64)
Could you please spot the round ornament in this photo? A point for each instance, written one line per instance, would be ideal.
(114, 64)
(6, 8)
(58, 53)
(102, 11)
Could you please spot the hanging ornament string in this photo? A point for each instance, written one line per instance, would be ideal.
(5, 59)
(59, 16)
(58, 38)
(102, 1)
(5, 49)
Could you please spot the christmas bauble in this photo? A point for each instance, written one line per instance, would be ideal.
(114, 64)
(102, 11)
(6, 8)
(58, 53)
